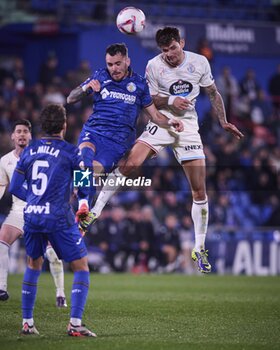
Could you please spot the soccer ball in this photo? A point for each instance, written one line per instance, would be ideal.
(131, 20)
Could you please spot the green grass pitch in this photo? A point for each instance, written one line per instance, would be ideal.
(153, 312)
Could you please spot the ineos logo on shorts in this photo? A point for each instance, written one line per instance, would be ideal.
(181, 88)
(193, 147)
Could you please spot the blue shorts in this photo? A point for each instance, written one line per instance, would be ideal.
(68, 243)
(107, 151)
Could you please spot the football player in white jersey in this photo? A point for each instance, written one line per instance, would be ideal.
(175, 77)
(12, 227)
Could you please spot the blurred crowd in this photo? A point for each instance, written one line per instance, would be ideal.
(150, 229)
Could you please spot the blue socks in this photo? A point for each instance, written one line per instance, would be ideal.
(88, 157)
(79, 293)
(29, 291)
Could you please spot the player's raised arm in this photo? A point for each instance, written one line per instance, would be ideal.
(88, 87)
(161, 120)
(218, 105)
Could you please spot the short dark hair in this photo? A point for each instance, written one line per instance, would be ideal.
(24, 122)
(52, 118)
(114, 49)
(165, 36)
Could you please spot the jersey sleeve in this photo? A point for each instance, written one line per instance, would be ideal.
(16, 186)
(151, 79)
(207, 77)
(20, 164)
(4, 180)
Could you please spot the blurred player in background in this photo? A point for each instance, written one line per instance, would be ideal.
(47, 167)
(12, 227)
(175, 77)
(119, 96)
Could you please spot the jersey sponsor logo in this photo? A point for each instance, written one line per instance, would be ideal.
(118, 96)
(104, 93)
(107, 81)
(37, 209)
(131, 87)
(82, 178)
(193, 147)
(181, 88)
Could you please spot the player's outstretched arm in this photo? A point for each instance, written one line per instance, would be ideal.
(81, 91)
(218, 105)
(162, 121)
(178, 102)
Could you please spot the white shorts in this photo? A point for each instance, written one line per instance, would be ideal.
(15, 218)
(186, 145)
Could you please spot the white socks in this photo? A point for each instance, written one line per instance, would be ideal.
(200, 219)
(4, 264)
(30, 321)
(56, 268)
(76, 322)
(107, 191)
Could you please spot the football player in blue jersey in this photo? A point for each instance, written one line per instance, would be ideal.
(47, 167)
(119, 96)
(12, 227)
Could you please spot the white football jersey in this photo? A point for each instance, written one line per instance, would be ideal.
(7, 166)
(184, 81)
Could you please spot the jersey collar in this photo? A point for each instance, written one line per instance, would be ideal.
(51, 138)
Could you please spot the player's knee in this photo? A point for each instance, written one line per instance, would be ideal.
(132, 163)
(9, 234)
(51, 255)
(199, 195)
(35, 264)
(80, 265)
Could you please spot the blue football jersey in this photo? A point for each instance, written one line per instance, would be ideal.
(117, 106)
(48, 165)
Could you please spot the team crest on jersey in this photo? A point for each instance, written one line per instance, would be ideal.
(190, 68)
(181, 88)
(131, 87)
